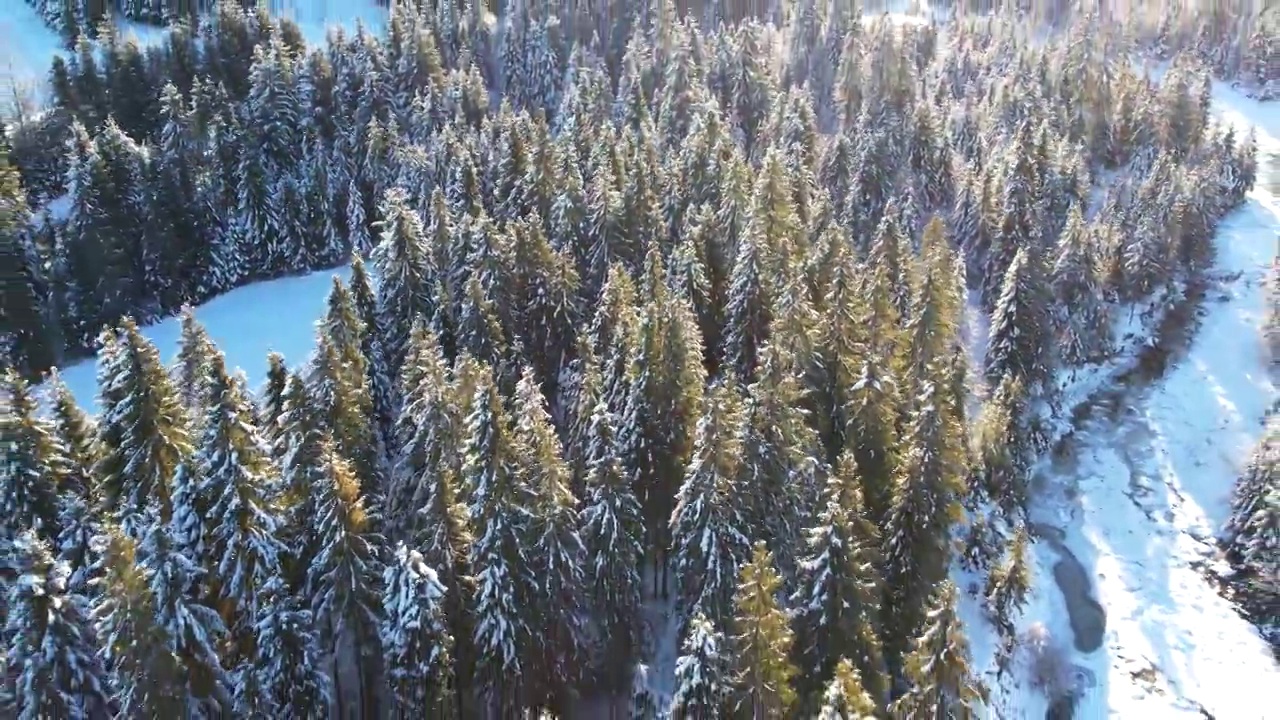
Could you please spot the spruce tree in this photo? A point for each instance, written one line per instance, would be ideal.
(415, 639)
(191, 370)
(287, 673)
(704, 683)
(238, 481)
(406, 271)
(298, 449)
(708, 544)
(504, 578)
(917, 545)
(344, 582)
(611, 533)
(52, 647)
(845, 698)
(76, 432)
(938, 667)
(271, 406)
(762, 642)
(144, 672)
(378, 371)
(1020, 342)
(836, 606)
(1081, 320)
(34, 460)
(1008, 584)
(192, 630)
(143, 428)
(556, 552)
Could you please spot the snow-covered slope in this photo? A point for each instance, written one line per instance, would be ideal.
(1127, 515)
(246, 323)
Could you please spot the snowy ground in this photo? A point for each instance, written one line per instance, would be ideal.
(1140, 495)
(246, 323)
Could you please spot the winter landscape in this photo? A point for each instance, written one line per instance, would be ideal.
(651, 359)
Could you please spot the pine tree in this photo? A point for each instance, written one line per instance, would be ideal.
(191, 370)
(344, 582)
(938, 667)
(378, 372)
(52, 647)
(34, 459)
(762, 642)
(611, 533)
(298, 449)
(272, 401)
(406, 271)
(845, 698)
(703, 681)
(144, 671)
(1080, 315)
(836, 606)
(708, 545)
(142, 427)
(415, 639)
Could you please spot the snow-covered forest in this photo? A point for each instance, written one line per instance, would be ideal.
(688, 360)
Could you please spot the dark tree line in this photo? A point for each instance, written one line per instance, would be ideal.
(668, 311)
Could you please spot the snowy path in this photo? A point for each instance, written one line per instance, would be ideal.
(1138, 493)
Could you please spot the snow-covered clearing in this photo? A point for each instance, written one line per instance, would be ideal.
(1136, 500)
(246, 323)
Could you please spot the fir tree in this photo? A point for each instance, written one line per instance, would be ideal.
(272, 403)
(52, 647)
(191, 370)
(77, 434)
(1007, 585)
(504, 579)
(238, 480)
(703, 680)
(917, 543)
(938, 667)
(406, 269)
(192, 631)
(1020, 343)
(415, 639)
(762, 642)
(1080, 315)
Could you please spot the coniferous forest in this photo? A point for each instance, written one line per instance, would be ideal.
(652, 308)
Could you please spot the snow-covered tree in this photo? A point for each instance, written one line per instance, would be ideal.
(704, 683)
(938, 667)
(708, 545)
(238, 481)
(611, 533)
(344, 583)
(762, 639)
(34, 459)
(415, 638)
(836, 602)
(1020, 342)
(143, 428)
(193, 631)
(52, 646)
(287, 673)
(845, 698)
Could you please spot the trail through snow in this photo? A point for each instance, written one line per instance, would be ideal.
(1128, 511)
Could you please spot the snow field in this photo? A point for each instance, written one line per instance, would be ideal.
(246, 324)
